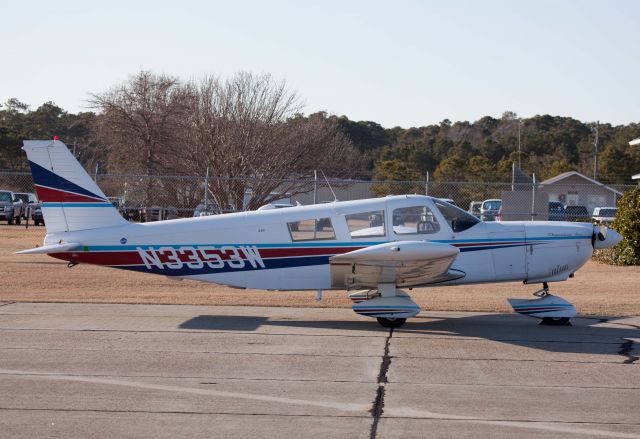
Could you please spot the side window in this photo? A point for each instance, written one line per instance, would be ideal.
(311, 229)
(414, 219)
(366, 224)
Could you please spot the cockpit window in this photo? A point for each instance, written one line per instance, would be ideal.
(414, 219)
(458, 219)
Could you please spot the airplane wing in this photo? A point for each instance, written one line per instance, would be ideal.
(404, 263)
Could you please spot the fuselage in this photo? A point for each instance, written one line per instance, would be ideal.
(289, 249)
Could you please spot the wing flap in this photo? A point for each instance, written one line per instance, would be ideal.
(405, 264)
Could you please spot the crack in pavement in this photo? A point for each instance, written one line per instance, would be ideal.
(625, 348)
(378, 404)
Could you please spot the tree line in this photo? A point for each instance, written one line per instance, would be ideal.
(251, 125)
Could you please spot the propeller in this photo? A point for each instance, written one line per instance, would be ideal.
(599, 233)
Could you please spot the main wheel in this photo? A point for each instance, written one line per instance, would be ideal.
(391, 323)
(555, 321)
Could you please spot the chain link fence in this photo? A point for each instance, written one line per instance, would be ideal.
(149, 198)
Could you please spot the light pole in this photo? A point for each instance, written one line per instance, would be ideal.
(595, 143)
(519, 149)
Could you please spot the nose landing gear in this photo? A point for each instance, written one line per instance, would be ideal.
(551, 310)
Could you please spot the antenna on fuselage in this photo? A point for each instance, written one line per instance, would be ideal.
(329, 184)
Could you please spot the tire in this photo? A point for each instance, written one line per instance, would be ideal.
(555, 321)
(10, 221)
(391, 323)
(18, 220)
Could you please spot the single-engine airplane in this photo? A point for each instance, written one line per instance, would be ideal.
(377, 247)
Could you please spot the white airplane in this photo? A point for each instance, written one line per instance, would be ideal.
(376, 247)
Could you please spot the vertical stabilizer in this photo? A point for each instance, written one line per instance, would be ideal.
(70, 199)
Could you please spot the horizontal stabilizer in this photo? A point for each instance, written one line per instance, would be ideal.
(48, 249)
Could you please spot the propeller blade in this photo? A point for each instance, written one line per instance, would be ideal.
(602, 233)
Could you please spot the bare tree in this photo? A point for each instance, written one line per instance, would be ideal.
(141, 121)
(246, 132)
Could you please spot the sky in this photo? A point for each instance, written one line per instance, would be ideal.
(398, 63)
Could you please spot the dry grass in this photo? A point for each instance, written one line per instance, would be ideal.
(597, 289)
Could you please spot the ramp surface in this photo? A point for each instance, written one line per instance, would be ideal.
(80, 370)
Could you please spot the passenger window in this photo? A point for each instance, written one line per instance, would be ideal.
(414, 219)
(311, 229)
(366, 224)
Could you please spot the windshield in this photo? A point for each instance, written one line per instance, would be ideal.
(492, 205)
(5, 196)
(458, 219)
(23, 197)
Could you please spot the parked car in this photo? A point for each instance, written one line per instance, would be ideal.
(10, 207)
(448, 200)
(489, 209)
(271, 206)
(210, 209)
(157, 213)
(474, 208)
(604, 214)
(36, 216)
(556, 211)
(29, 202)
(576, 213)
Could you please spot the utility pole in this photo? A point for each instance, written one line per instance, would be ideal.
(595, 143)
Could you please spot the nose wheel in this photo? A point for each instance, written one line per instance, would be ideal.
(551, 310)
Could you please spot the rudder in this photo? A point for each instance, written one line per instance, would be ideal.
(70, 199)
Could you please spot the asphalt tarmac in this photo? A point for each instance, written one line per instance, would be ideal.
(166, 371)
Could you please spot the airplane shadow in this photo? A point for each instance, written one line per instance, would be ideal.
(588, 335)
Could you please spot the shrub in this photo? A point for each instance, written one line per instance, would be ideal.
(627, 223)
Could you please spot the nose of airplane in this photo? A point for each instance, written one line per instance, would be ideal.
(605, 238)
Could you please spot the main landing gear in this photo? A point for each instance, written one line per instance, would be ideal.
(389, 305)
(551, 310)
(391, 323)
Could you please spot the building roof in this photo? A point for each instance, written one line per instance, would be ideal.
(635, 142)
(635, 177)
(560, 177)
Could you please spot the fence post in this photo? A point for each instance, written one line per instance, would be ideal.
(206, 191)
(315, 186)
(533, 197)
(426, 185)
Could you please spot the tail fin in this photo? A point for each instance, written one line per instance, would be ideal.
(70, 199)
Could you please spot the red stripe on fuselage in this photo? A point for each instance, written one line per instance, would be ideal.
(132, 257)
(47, 194)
